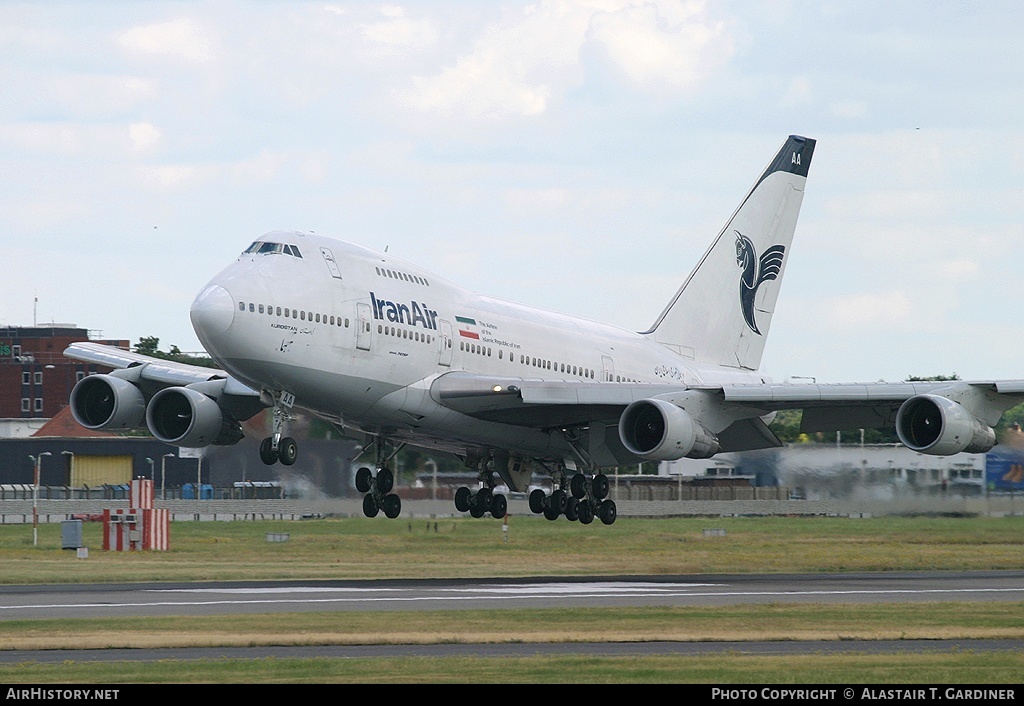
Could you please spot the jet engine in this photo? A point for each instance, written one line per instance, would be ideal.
(106, 402)
(656, 430)
(185, 417)
(939, 426)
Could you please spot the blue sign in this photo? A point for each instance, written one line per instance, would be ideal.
(1004, 470)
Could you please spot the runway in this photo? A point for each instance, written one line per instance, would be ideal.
(262, 597)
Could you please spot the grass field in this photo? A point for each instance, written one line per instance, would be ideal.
(359, 548)
(368, 549)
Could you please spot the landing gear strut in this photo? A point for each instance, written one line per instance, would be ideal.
(378, 487)
(485, 499)
(279, 447)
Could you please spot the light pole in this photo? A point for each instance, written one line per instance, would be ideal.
(38, 460)
(71, 465)
(163, 474)
(151, 471)
(433, 484)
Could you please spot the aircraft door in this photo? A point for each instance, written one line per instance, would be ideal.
(363, 326)
(445, 355)
(608, 367)
(332, 264)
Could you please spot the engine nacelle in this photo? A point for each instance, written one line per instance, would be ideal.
(106, 402)
(656, 430)
(185, 417)
(938, 426)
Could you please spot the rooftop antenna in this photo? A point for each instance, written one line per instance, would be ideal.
(35, 307)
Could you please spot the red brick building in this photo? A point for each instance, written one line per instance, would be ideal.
(35, 377)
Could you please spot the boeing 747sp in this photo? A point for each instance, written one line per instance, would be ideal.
(381, 348)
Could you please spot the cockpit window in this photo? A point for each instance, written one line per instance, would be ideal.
(265, 248)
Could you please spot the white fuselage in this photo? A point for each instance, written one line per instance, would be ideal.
(358, 336)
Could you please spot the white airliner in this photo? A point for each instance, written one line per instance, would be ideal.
(382, 348)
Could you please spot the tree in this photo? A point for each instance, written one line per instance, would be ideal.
(150, 345)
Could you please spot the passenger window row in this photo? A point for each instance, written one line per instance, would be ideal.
(477, 349)
(567, 368)
(399, 332)
(395, 274)
(310, 316)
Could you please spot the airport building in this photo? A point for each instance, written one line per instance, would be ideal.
(882, 471)
(35, 377)
(36, 380)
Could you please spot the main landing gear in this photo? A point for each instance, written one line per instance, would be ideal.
(278, 447)
(378, 487)
(578, 497)
(478, 503)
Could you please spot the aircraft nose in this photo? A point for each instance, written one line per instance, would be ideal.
(212, 311)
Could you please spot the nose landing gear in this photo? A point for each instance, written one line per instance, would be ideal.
(279, 447)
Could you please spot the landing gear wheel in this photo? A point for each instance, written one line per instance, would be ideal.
(392, 505)
(462, 498)
(483, 498)
(572, 512)
(607, 512)
(586, 513)
(267, 453)
(363, 477)
(370, 506)
(537, 499)
(578, 485)
(287, 451)
(499, 506)
(600, 486)
(551, 513)
(476, 511)
(558, 500)
(385, 481)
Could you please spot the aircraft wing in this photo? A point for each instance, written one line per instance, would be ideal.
(733, 412)
(151, 375)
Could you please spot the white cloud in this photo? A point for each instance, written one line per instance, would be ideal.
(522, 63)
(399, 31)
(100, 94)
(171, 176)
(183, 39)
(958, 269)
(533, 199)
(849, 109)
(799, 93)
(143, 136)
(261, 168)
(666, 47)
(66, 138)
(884, 309)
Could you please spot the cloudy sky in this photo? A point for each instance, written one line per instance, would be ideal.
(576, 155)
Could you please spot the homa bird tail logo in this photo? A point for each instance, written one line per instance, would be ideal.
(755, 272)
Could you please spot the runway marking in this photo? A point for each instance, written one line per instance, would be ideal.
(466, 595)
(517, 589)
